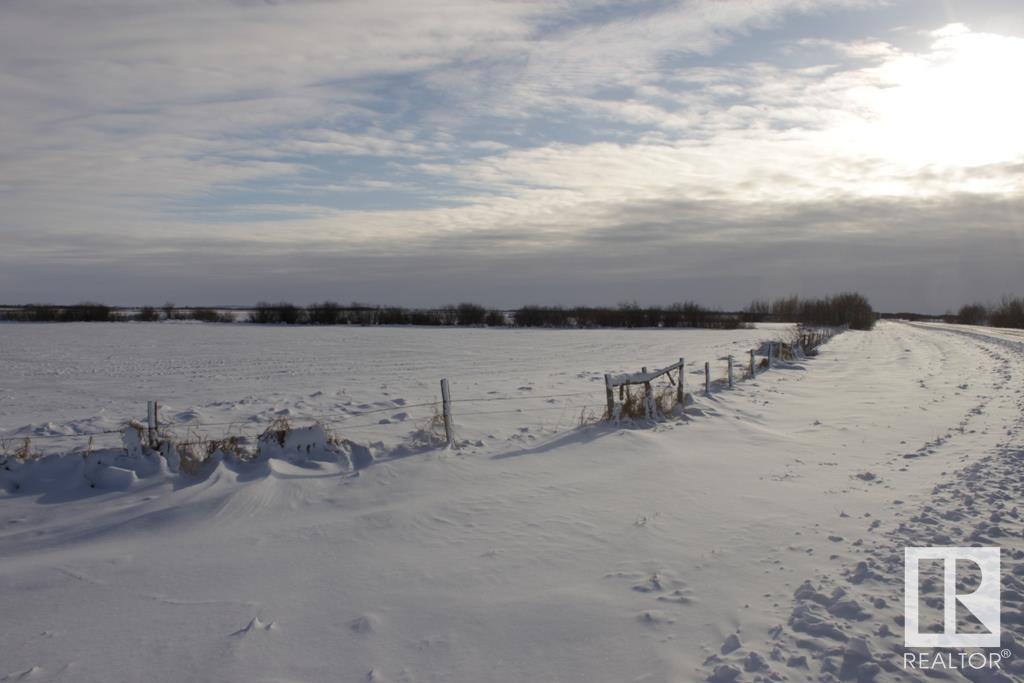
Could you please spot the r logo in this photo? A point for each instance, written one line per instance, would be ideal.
(983, 603)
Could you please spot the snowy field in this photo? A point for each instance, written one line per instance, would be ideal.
(761, 535)
(69, 379)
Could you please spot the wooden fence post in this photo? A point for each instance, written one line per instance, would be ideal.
(707, 378)
(753, 371)
(771, 355)
(446, 410)
(610, 395)
(648, 397)
(730, 371)
(152, 423)
(680, 393)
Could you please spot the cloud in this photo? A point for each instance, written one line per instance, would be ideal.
(229, 141)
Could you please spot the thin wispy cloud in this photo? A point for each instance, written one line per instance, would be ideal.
(248, 146)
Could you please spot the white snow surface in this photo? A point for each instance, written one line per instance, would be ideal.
(538, 550)
(366, 383)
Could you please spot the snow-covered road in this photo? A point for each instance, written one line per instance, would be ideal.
(596, 554)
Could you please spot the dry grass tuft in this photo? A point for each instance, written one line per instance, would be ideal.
(433, 426)
(665, 399)
(23, 450)
(230, 446)
(191, 458)
(276, 431)
(633, 404)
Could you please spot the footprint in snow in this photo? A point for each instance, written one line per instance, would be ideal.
(654, 618)
(365, 624)
(28, 674)
(255, 625)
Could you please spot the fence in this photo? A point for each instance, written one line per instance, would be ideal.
(647, 406)
(774, 351)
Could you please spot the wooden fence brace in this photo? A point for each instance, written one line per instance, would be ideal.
(730, 371)
(610, 395)
(446, 410)
(707, 378)
(152, 423)
(680, 393)
(753, 370)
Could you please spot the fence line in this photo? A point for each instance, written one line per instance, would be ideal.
(157, 431)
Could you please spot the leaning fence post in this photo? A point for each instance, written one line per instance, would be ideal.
(752, 371)
(152, 423)
(730, 372)
(610, 395)
(648, 397)
(707, 378)
(680, 392)
(446, 410)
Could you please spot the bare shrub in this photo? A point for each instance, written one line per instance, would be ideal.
(972, 314)
(1009, 313)
(848, 308)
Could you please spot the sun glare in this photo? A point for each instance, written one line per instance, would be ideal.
(961, 105)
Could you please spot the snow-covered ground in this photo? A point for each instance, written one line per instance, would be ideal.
(587, 553)
(368, 383)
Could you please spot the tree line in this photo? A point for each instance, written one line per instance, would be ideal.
(843, 309)
(1007, 313)
(333, 313)
(686, 314)
(470, 314)
(848, 308)
(91, 312)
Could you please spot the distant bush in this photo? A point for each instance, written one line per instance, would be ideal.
(206, 315)
(495, 319)
(148, 314)
(282, 313)
(426, 317)
(35, 313)
(326, 313)
(629, 315)
(759, 310)
(84, 312)
(848, 308)
(972, 314)
(1009, 313)
(89, 311)
(467, 314)
(395, 315)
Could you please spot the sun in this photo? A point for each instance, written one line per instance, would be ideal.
(958, 106)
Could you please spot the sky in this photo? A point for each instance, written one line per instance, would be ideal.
(511, 152)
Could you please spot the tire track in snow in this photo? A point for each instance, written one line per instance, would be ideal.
(846, 623)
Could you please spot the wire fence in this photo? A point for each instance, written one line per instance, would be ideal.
(601, 403)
